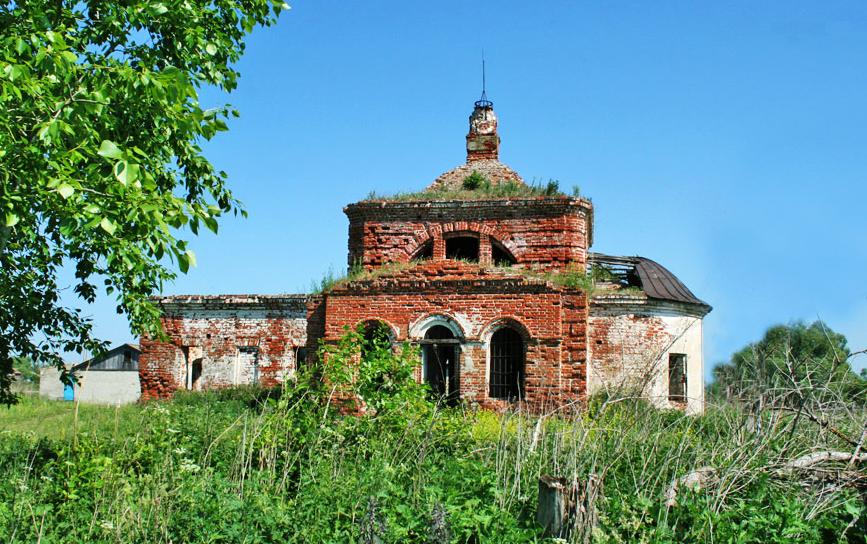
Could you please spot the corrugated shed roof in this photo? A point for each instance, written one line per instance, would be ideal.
(95, 363)
(653, 278)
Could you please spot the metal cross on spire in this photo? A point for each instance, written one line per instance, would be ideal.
(483, 102)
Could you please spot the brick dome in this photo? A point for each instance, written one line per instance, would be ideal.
(496, 172)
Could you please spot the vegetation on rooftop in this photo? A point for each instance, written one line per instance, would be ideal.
(356, 272)
(573, 276)
(478, 187)
(599, 281)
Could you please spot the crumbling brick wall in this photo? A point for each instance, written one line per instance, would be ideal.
(218, 341)
(552, 322)
(549, 232)
(630, 339)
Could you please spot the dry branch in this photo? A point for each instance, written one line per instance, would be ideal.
(696, 479)
(809, 460)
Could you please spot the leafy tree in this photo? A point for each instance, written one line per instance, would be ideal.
(386, 376)
(101, 169)
(794, 357)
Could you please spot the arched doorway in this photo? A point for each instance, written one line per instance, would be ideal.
(440, 358)
(507, 365)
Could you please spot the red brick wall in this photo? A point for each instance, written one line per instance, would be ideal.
(549, 231)
(159, 366)
(552, 322)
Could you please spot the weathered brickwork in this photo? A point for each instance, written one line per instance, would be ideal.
(218, 341)
(630, 339)
(467, 290)
(548, 232)
(475, 303)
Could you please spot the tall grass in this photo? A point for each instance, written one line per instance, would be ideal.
(254, 466)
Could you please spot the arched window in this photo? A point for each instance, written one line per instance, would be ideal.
(462, 247)
(424, 252)
(507, 365)
(440, 351)
(501, 256)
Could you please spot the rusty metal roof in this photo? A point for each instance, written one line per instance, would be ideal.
(654, 279)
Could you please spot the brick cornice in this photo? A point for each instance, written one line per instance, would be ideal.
(232, 302)
(641, 304)
(563, 203)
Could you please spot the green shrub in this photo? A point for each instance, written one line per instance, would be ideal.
(250, 465)
(475, 181)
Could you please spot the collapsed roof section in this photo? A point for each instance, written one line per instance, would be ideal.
(652, 278)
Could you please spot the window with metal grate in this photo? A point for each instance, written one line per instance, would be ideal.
(507, 365)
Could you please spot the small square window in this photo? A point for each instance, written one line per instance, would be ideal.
(677, 377)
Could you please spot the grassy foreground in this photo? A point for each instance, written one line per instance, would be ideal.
(247, 465)
(231, 467)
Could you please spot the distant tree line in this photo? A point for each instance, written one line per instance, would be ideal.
(792, 361)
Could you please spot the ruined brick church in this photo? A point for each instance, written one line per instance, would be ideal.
(492, 278)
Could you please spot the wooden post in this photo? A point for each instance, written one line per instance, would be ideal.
(568, 508)
(556, 507)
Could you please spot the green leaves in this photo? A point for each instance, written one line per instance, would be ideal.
(101, 147)
(126, 172)
(156, 9)
(14, 71)
(109, 150)
(65, 190)
(185, 260)
(107, 225)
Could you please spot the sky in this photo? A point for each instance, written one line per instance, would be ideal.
(725, 140)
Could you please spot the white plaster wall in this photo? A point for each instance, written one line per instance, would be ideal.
(94, 386)
(108, 387)
(50, 385)
(628, 351)
(687, 333)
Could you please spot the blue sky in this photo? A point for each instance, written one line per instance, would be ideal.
(724, 140)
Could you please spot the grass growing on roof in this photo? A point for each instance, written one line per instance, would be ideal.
(356, 273)
(573, 276)
(477, 187)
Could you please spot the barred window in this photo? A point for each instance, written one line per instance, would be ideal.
(507, 365)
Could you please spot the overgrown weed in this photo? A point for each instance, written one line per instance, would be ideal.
(246, 466)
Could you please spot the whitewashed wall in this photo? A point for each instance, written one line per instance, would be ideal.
(628, 348)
